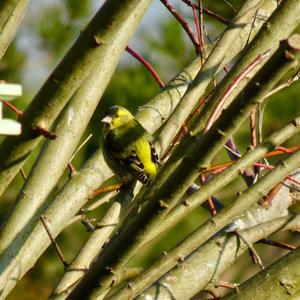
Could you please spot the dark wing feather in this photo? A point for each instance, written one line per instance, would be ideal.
(154, 155)
(123, 150)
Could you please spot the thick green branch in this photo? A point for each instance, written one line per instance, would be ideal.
(11, 14)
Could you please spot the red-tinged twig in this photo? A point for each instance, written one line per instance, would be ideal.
(200, 40)
(227, 285)
(268, 199)
(221, 167)
(183, 23)
(56, 247)
(45, 133)
(284, 150)
(290, 178)
(232, 86)
(277, 244)
(211, 205)
(147, 65)
(106, 189)
(13, 108)
(210, 202)
(209, 13)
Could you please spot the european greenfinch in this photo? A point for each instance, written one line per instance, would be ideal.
(127, 147)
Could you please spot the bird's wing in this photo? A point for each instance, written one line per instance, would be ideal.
(123, 147)
(154, 155)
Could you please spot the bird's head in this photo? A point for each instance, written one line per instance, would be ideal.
(117, 116)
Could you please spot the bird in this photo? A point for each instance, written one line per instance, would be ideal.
(127, 147)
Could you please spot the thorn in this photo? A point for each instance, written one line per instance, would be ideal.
(180, 258)
(72, 169)
(44, 132)
(163, 204)
(23, 174)
(98, 40)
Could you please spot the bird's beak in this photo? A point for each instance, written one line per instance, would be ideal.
(107, 120)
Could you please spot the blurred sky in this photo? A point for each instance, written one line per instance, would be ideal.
(39, 64)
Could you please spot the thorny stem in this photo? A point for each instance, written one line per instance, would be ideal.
(147, 65)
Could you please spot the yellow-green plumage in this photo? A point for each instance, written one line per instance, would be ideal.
(127, 148)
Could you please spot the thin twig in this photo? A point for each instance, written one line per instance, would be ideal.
(251, 248)
(56, 247)
(285, 84)
(183, 23)
(147, 65)
(70, 165)
(80, 147)
(277, 244)
(200, 41)
(13, 108)
(232, 86)
(209, 13)
(268, 199)
(106, 189)
(223, 166)
(227, 285)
